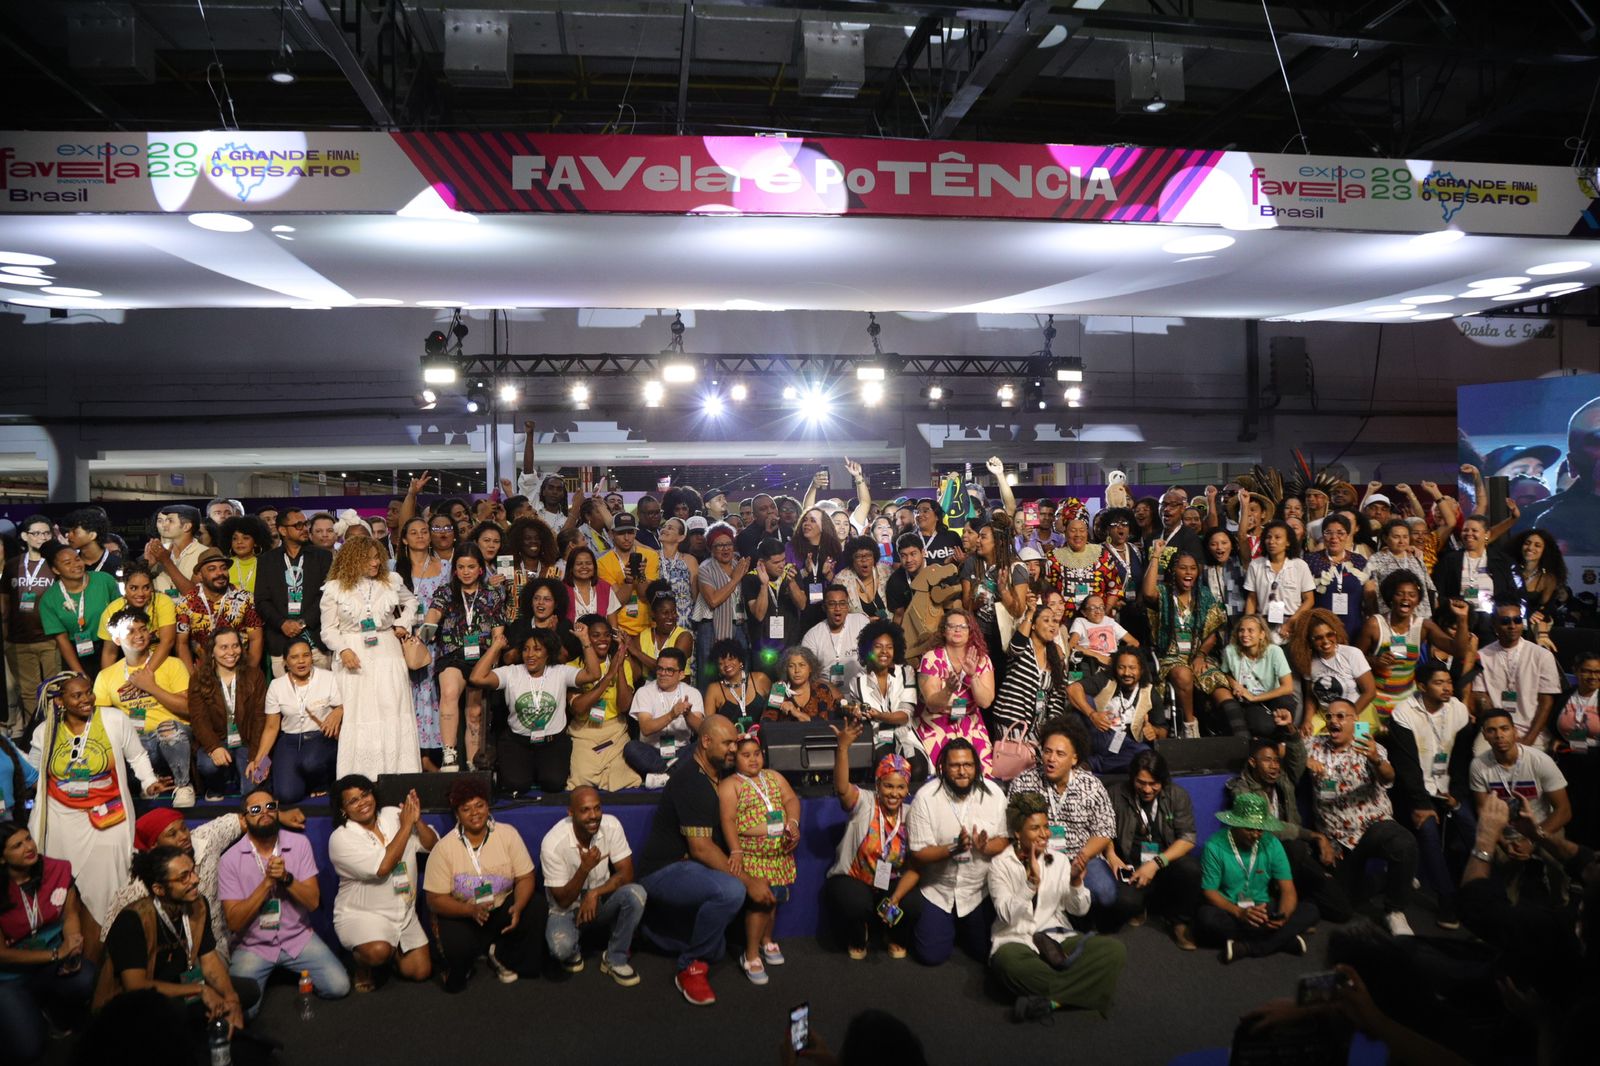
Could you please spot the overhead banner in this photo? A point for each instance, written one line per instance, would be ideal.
(526, 173)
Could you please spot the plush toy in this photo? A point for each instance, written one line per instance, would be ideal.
(1117, 494)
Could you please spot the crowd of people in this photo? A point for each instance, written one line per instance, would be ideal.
(1387, 664)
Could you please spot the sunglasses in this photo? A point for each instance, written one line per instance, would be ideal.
(302, 524)
(1508, 621)
(257, 808)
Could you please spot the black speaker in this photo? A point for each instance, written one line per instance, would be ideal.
(432, 789)
(1204, 755)
(808, 748)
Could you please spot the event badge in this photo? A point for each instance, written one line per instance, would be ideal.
(1058, 838)
(1041, 701)
(1441, 764)
(483, 892)
(958, 707)
(1275, 613)
(1115, 744)
(193, 976)
(1080, 592)
(814, 595)
(295, 597)
(400, 879)
(1508, 700)
(370, 628)
(234, 739)
(1148, 850)
(597, 713)
(1328, 788)
(471, 648)
(775, 626)
(882, 874)
(1397, 648)
(669, 746)
(1341, 603)
(837, 672)
(1184, 645)
(1245, 901)
(77, 783)
(504, 565)
(775, 822)
(272, 913)
(27, 603)
(84, 647)
(779, 692)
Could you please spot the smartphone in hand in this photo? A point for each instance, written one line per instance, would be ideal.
(800, 1026)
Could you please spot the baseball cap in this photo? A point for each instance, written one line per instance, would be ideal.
(624, 523)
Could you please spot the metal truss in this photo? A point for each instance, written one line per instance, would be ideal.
(816, 367)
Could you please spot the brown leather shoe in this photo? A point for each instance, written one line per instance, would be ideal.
(1180, 936)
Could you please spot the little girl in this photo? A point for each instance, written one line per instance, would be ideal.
(761, 822)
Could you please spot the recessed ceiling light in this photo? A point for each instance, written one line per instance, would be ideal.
(1437, 239)
(1385, 308)
(282, 229)
(440, 303)
(1193, 258)
(1432, 316)
(1497, 283)
(378, 301)
(19, 279)
(1431, 298)
(67, 290)
(1198, 245)
(283, 237)
(1565, 266)
(282, 77)
(1509, 296)
(1484, 294)
(221, 222)
(27, 272)
(24, 259)
(1556, 288)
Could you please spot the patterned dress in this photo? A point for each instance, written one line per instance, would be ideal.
(1398, 683)
(675, 571)
(764, 856)
(936, 729)
(425, 693)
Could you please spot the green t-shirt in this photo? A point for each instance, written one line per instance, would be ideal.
(77, 616)
(1257, 675)
(1221, 872)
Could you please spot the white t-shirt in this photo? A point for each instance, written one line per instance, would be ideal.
(1293, 582)
(1533, 777)
(1524, 668)
(1335, 678)
(356, 855)
(837, 651)
(558, 857)
(538, 705)
(295, 704)
(652, 702)
(1103, 637)
(1435, 735)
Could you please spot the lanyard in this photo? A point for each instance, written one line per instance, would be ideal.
(469, 605)
(1508, 780)
(187, 936)
(1123, 706)
(1248, 871)
(230, 693)
(885, 837)
(1437, 724)
(30, 573)
(761, 790)
(926, 540)
(472, 852)
(79, 607)
(1148, 819)
(1125, 560)
(294, 570)
(369, 587)
(32, 909)
(213, 613)
(838, 646)
(743, 696)
(299, 697)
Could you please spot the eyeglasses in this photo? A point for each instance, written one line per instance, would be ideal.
(302, 524)
(37, 533)
(1117, 525)
(357, 798)
(668, 670)
(257, 808)
(185, 877)
(955, 625)
(1508, 621)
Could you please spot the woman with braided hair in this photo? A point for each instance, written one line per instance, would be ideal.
(84, 813)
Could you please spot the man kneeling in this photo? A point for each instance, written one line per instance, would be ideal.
(588, 875)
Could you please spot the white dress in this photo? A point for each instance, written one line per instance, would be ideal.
(378, 734)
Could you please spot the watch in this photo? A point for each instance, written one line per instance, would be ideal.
(287, 879)
(1481, 855)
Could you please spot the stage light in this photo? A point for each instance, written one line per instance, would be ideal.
(1070, 368)
(678, 373)
(1007, 395)
(580, 396)
(1073, 394)
(815, 404)
(934, 393)
(870, 373)
(1074, 403)
(712, 405)
(871, 393)
(509, 394)
(791, 393)
(472, 407)
(438, 370)
(739, 393)
(653, 393)
(1155, 105)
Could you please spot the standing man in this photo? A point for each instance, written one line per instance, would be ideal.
(89, 530)
(323, 534)
(956, 826)
(1518, 676)
(684, 866)
(588, 875)
(762, 525)
(289, 591)
(833, 640)
(214, 604)
(174, 551)
(221, 509)
(31, 654)
(629, 569)
(70, 614)
(267, 884)
(716, 503)
(648, 512)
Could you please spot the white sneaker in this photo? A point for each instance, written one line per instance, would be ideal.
(506, 974)
(449, 764)
(1398, 924)
(183, 796)
(655, 781)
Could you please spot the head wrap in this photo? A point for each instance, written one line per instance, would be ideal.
(892, 764)
(151, 825)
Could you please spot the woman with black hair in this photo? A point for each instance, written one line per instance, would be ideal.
(865, 578)
(41, 945)
(737, 693)
(1537, 569)
(467, 615)
(681, 502)
(534, 552)
(1035, 686)
(885, 692)
(1187, 623)
(662, 632)
(542, 604)
(536, 748)
(244, 538)
(424, 573)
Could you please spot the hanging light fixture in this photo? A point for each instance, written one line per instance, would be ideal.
(282, 72)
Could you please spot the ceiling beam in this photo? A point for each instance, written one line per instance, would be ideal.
(102, 107)
(1004, 49)
(926, 28)
(331, 38)
(685, 54)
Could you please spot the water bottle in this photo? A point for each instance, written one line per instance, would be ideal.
(221, 1047)
(306, 996)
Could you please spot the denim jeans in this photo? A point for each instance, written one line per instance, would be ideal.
(1101, 882)
(328, 975)
(688, 894)
(170, 745)
(23, 1031)
(644, 759)
(302, 763)
(621, 910)
(222, 780)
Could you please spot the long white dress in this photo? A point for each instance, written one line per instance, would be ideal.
(379, 732)
(99, 857)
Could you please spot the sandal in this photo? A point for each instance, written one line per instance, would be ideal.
(896, 951)
(753, 970)
(857, 953)
(363, 981)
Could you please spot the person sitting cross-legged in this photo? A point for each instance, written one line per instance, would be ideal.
(588, 877)
(1250, 905)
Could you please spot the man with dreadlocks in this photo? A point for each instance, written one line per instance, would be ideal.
(957, 825)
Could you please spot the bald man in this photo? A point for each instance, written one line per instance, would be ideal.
(588, 875)
(1573, 516)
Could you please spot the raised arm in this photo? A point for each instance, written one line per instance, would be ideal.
(1008, 499)
(862, 515)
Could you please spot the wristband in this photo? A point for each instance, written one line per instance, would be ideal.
(1161, 861)
(1481, 855)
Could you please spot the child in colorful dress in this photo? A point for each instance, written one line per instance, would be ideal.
(761, 822)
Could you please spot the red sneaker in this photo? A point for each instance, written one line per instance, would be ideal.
(691, 981)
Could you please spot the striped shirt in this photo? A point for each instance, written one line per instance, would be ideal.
(1026, 689)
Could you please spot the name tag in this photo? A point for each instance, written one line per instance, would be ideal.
(1080, 591)
(775, 823)
(669, 746)
(814, 595)
(471, 650)
(1441, 764)
(295, 597)
(958, 708)
(400, 879)
(234, 739)
(882, 875)
(84, 647)
(1508, 699)
(1117, 737)
(369, 627)
(1041, 701)
(1328, 788)
(1058, 838)
(482, 892)
(1341, 603)
(1245, 901)
(775, 626)
(837, 670)
(27, 603)
(1148, 850)
(597, 713)
(77, 783)
(1184, 646)
(272, 914)
(1275, 613)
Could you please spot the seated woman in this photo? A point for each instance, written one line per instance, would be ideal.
(867, 577)
(662, 632)
(542, 604)
(1331, 669)
(1034, 952)
(870, 877)
(1121, 720)
(586, 593)
(1035, 687)
(737, 693)
(1186, 622)
(1153, 852)
(1096, 636)
(374, 852)
(884, 693)
(228, 713)
(802, 696)
(41, 946)
(1393, 640)
(956, 682)
(1258, 681)
(300, 740)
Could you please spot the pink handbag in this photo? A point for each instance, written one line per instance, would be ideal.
(1013, 754)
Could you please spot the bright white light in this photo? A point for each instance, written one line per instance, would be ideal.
(1431, 298)
(429, 396)
(1407, 313)
(678, 373)
(281, 77)
(1155, 106)
(935, 392)
(1074, 403)
(1087, 5)
(1056, 35)
(472, 407)
(1436, 239)
(67, 290)
(26, 272)
(1011, 477)
(1432, 316)
(1510, 296)
(653, 393)
(1498, 283)
(1565, 266)
(508, 393)
(439, 375)
(815, 405)
(791, 393)
(430, 206)
(220, 222)
(283, 236)
(712, 405)
(1485, 293)
(1194, 259)
(282, 229)
(18, 279)
(1073, 393)
(1198, 245)
(1553, 289)
(871, 393)
(739, 393)
(869, 373)
(1381, 308)
(25, 259)
(378, 301)
(580, 394)
(1006, 394)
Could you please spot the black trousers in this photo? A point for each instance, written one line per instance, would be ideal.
(1214, 925)
(522, 766)
(1391, 842)
(1248, 719)
(1174, 892)
(1317, 883)
(462, 940)
(853, 907)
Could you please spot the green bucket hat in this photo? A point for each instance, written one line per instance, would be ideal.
(1249, 811)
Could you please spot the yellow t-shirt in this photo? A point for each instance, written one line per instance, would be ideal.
(162, 611)
(111, 689)
(610, 698)
(632, 618)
